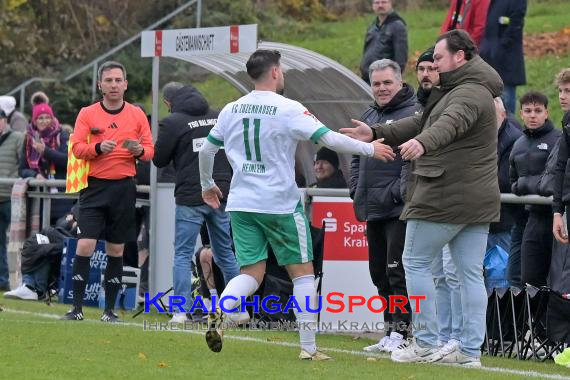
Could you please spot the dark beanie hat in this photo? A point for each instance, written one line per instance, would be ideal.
(425, 56)
(328, 155)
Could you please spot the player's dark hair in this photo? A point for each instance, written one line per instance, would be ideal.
(261, 61)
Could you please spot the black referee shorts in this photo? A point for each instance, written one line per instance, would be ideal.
(107, 210)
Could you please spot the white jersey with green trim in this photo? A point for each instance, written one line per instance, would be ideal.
(260, 132)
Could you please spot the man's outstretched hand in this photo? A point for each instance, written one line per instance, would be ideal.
(383, 152)
(212, 197)
(361, 131)
(411, 150)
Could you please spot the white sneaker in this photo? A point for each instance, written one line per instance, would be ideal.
(396, 342)
(179, 318)
(457, 357)
(238, 318)
(416, 354)
(22, 293)
(449, 347)
(378, 347)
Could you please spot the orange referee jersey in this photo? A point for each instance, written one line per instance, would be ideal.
(129, 122)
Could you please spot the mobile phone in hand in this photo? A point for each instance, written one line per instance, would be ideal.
(128, 143)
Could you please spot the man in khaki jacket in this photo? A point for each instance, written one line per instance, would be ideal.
(455, 193)
(10, 151)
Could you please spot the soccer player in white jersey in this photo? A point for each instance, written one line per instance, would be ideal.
(260, 132)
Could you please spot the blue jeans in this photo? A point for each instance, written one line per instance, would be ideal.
(510, 98)
(447, 297)
(38, 279)
(188, 223)
(5, 216)
(424, 241)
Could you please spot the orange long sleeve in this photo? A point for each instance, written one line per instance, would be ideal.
(129, 123)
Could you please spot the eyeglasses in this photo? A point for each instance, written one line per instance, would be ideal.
(429, 69)
(44, 118)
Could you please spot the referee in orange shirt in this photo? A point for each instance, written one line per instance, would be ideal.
(111, 134)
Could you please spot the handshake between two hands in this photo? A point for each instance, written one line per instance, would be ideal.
(410, 150)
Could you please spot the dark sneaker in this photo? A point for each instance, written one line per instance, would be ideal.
(110, 317)
(72, 315)
(214, 335)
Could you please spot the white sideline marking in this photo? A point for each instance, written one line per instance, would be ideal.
(287, 344)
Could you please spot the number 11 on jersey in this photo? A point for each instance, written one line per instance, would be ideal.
(246, 132)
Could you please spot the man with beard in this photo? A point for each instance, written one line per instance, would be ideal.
(447, 287)
(454, 194)
(427, 76)
(260, 132)
(377, 189)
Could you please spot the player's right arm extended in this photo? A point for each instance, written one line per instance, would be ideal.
(206, 164)
(344, 144)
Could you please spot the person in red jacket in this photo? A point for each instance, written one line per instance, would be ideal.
(111, 135)
(469, 15)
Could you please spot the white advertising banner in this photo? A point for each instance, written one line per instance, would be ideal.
(199, 41)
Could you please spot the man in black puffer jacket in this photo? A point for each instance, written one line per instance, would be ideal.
(528, 161)
(377, 189)
(386, 37)
(180, 137)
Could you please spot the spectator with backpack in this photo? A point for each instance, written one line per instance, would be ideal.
(41, 259)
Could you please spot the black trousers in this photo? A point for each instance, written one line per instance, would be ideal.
(514, 263)
(536, 249)
(385, 247)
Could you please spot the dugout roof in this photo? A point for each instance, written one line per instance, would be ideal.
(329, 90)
